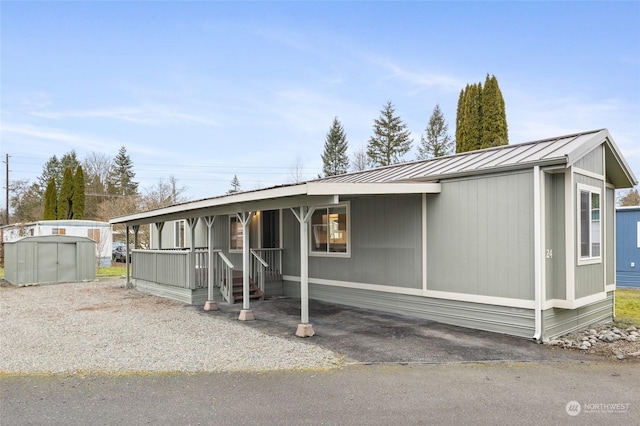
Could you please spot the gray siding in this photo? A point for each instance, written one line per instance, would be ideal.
(555, 266)
(480, 236)
(593, 161)
(557, 322)
(610, 244)
(184, 295)
(498, 319)
(589, 279)
(386, 244)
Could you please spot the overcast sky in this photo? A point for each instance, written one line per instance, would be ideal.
(205, 90)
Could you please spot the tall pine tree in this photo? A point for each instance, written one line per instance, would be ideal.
(50, 201)
(494, 118)
(78, 197)
(436, 142)
(120, 180)
(481, 120)
(335, 160)
(65, 198)
(390, 140)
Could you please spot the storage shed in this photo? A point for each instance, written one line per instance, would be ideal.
(628, 246)
(50, 259)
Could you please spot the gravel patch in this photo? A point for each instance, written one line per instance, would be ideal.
(103, 327)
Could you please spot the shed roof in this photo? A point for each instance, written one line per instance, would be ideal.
(52, 239)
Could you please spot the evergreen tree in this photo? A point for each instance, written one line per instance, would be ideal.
(460, 136)
(50, 170)
(65, 198)
(50, 201)
(120, 180)
(437, 141)
(55, 168)
(390, 140)
(78, 197)
(335, 159)
(235, 185)
(494, 118)
(481, 120)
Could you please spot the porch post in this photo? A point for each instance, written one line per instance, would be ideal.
(191, 271)
(246, 314)
(128, 283)
(210, 304)
(304, 328)
(159, 226)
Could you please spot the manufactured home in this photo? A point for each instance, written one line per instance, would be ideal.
(100, 232)
(517, 239)
(628, 246)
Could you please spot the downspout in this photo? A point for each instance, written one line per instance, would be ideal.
(537, 253)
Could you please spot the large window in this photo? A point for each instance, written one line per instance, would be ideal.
(589, 222)
(178, 228)
(236, 231)
(330, 230)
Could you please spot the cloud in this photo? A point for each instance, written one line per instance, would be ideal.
(419, 79)
(148, 114)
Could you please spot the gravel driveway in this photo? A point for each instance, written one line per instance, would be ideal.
(102, 327)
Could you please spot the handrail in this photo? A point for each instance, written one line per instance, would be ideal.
(258, 258)
(224, 258)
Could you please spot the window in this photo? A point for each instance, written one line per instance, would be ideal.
(58, 231)
(94, 234)
(178, 227)
(330, 230)
(589, 222)
(236, 232)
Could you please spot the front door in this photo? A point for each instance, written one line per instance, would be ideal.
(270, 225)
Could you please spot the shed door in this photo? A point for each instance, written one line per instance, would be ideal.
(67, 262)
(47, 263)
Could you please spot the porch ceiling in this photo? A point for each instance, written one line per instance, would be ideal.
(283, 197)
(185, 211)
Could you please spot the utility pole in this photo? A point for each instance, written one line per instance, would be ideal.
(7, 188)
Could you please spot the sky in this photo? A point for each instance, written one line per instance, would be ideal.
(206, 90)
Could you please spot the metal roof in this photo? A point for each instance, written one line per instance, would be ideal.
(559, 150)
(413, 177)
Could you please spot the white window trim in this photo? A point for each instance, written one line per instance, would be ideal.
(176, 230)
(232, 217)
(592, 259)
(347, 254)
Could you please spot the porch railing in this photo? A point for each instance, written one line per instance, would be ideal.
(273, 258)
(176, 268)
(186, 269)
(223, 275)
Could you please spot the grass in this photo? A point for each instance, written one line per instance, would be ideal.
(628, 306)
(110, 271)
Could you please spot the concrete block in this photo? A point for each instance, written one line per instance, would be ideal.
(305, 330)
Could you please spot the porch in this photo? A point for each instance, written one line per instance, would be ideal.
(183, 274)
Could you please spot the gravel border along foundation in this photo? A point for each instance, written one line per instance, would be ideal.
(102, 327)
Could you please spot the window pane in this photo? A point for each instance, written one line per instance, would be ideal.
(338, 229)
(584, 223)
(595, 225)
(235, 233)
(319, 230)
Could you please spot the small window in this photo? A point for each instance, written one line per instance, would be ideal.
(178, 227)
(94, 234)
(589, 223)
(58, 231)
(236, 233)
(330, 230)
